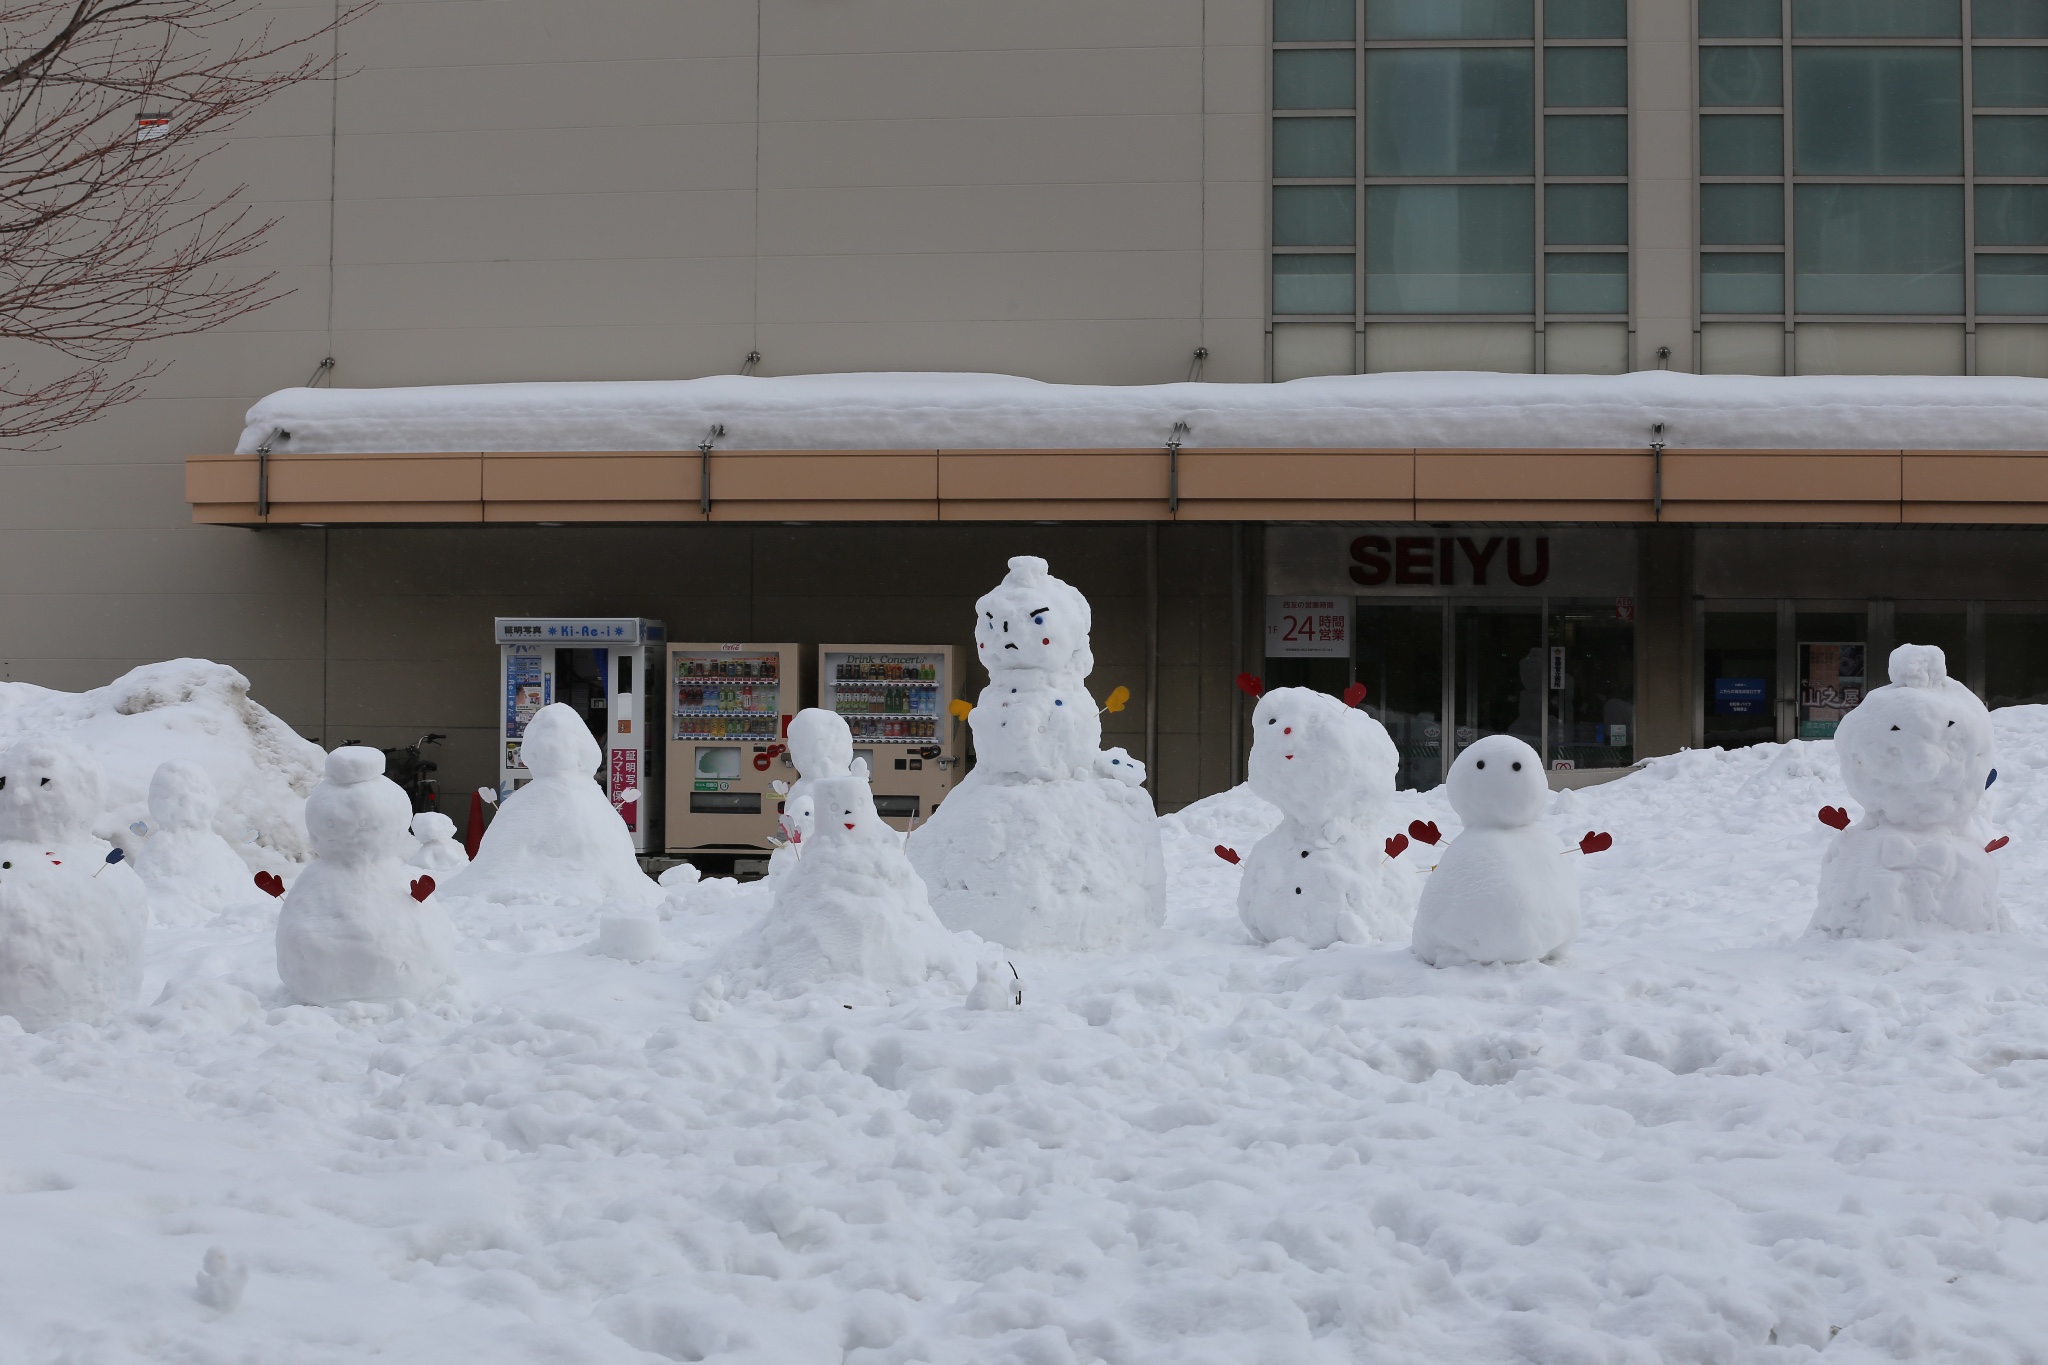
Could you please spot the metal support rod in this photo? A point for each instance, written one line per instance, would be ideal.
(1195, 369)
(1237, 627)
(704, 469)
(1657, 471)
(1152, 658)
(263, 470)
(1180, 429)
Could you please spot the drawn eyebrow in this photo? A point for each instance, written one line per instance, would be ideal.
(1036, 610)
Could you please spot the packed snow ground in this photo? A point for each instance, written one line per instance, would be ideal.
(1700, 1136)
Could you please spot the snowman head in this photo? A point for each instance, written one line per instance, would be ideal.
(182, 797)
(356, 815)
(1918, 751)
(1120, 765)
(432, 827)
(1033, 620)
(1318, 759)
(558, 744)
(49, 793)
(843, 814)
(1497, 783)
(819, 743)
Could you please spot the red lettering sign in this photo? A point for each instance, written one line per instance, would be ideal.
(1411, 560)
(1369, 555)
(1528, 578)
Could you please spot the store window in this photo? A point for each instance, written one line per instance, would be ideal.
(1400, 661)
(2015, 657)
(1832, 665)
(1740, 689)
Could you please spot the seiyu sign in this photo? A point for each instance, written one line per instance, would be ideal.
(1480, 561)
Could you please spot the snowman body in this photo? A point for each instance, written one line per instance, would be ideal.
(820, 746)
(191, 872)
(1504, 890)
(1043, 844)
(438, 850)
(72, 926)
(1917, 754)
(852, 908)
(350, 928)
(557, 840)
(1321, 876)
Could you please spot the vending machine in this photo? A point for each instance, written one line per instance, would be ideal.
(897, 700)
(729, 707)
(605, 667)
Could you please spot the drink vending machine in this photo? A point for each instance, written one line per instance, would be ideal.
(608, 669)
(729, 707)
(897, 701)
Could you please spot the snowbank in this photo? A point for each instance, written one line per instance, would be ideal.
(986, 411)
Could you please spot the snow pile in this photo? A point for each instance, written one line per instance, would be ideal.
(1002, 412)
(1036, 847)
(1322, 877)
(437, 850)
(71, 925)
(191, 872)
(195, 711)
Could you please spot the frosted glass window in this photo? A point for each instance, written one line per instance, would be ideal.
(1449, 111)
(1450, 249)
(1448, 19)
(1877, 111)
(1585, 77)
(2012, 284)
(1314, 284)
(1739, 18)
(2010, 19)
(1742, 282)
(2011, 77)
(1879, 248)
(1315, 215)
(1742, 215)
(1876, 19)
(2012, 144)
(1585, 144)
(2012, 215)
(1314, 147)
(1312, 21)
(1585, 282)
(1585, 215)
(1585, 18)
(1734, 76)
(1742, 144)
(1313, 79)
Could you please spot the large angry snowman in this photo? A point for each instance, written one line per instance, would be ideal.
(71, 924)
(1504, 890)
(1917, 754)
(359, 923)
(1320, 876)
(1037, 848)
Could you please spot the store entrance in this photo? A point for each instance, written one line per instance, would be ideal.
(581, 683)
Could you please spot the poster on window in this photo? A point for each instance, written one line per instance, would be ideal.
(625, 777)
(523, 698)
(1308, 627)
(1830, 685)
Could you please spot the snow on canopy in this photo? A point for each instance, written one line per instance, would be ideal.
(987, 411)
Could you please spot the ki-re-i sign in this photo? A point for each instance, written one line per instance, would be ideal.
(1492, 561)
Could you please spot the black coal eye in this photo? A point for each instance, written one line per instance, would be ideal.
(1895, 727)
(45, 782)
(1951, 725)
(1271, 721)
(1518, 765)
(1304, 853)
(1480, 764)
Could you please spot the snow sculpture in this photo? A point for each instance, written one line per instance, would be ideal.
(1321, 876)
(439, 850)
(1115, 763)
(557, 840)
(1504, 891)
(191, 872)
(851, 907)
(359, 924)
(1917, 754)
(1035, 847)
(71, 924)
(820, 745)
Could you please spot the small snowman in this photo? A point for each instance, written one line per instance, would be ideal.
(1917, 754)
(71, 924)
(439, 850)
(1321, 876)
(820, 745)
(557, 840)
(1504, 891)
(359, 924)
(1119, 766)
(192, 873)
(851, 908)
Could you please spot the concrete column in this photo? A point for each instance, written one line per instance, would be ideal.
(1661, 180)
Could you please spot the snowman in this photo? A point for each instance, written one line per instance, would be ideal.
(1504, 891)
(1917, 753)
(71, 924)
(439, 850)
(191, 872)
(820, 745)
(557, 840)
(359, 924)
(1320, 876)
(850, 908)
(1039, 846)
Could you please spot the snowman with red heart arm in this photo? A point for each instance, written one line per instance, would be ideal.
(1322, 876)
(820, 746)
(1917, 753)
(359, 923)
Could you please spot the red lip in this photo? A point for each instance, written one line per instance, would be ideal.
(849, 826)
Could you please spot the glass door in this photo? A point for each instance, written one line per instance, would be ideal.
(1592, 677)
(1401, 662)
(1500, 671)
